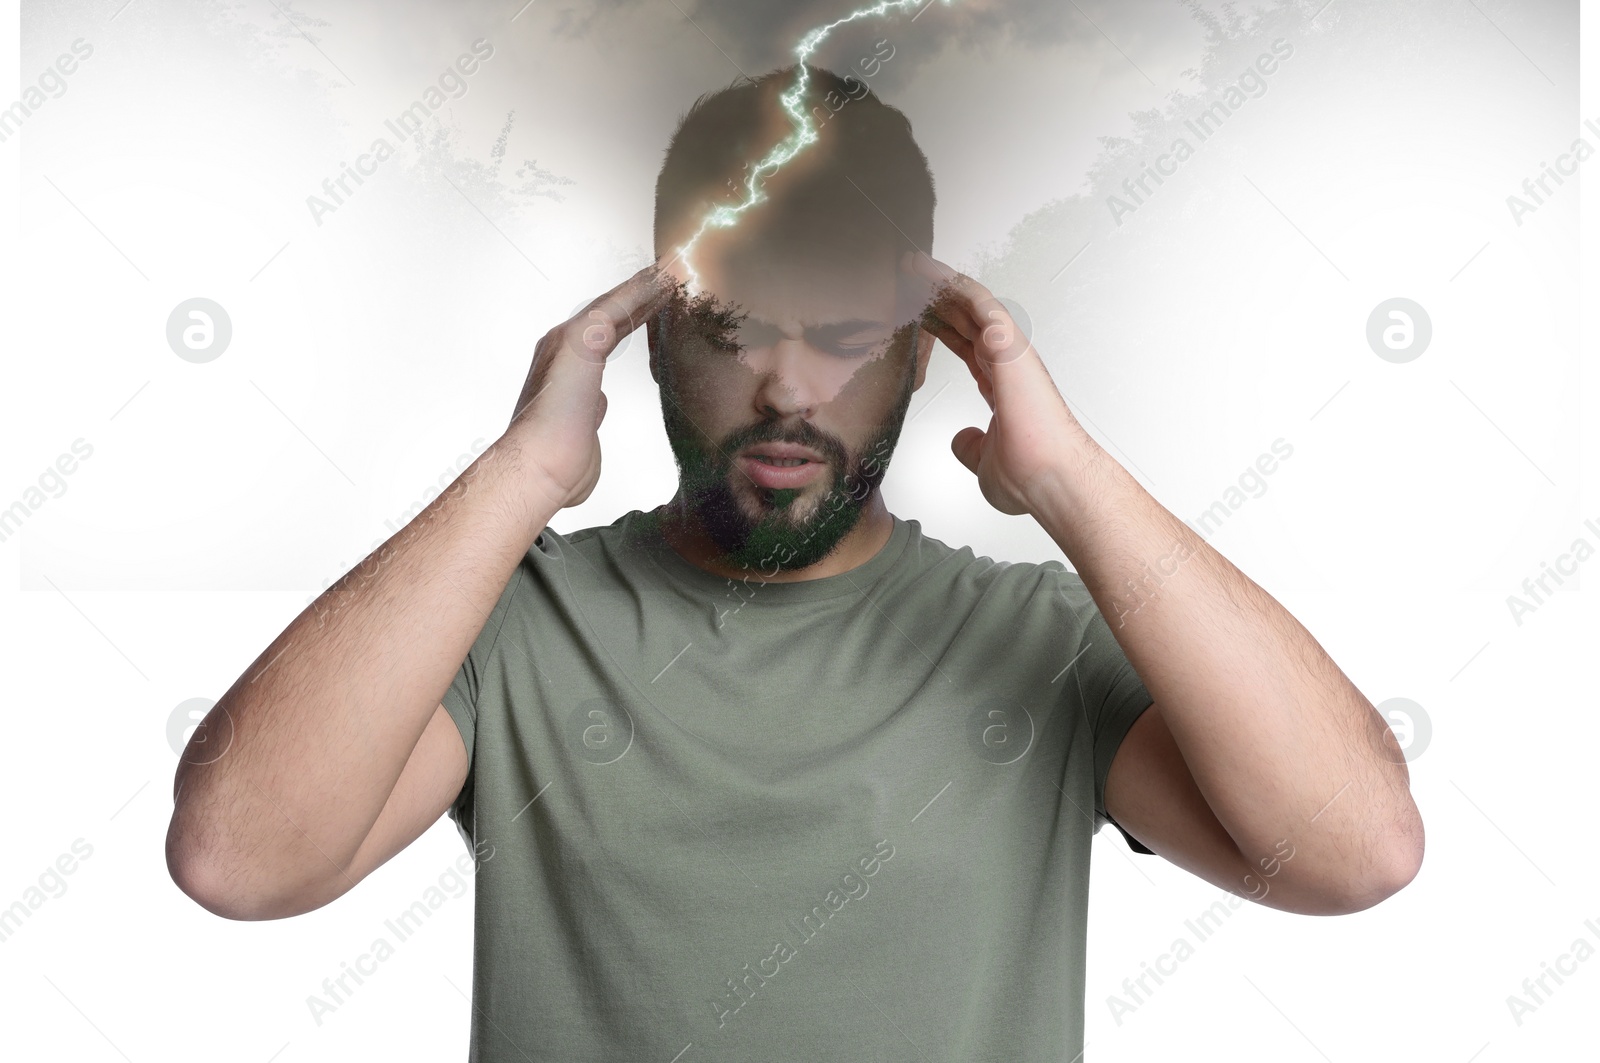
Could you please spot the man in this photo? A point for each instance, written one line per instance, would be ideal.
(766, 772)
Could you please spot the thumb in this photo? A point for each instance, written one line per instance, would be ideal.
(968, 447)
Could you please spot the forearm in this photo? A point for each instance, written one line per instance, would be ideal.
(300, 755)
(1279, 741)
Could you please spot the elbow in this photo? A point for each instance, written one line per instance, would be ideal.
(208, 889)
(218, 889)
(1388, 876)
(1372, 893)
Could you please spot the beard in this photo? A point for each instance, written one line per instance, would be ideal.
(768, 529)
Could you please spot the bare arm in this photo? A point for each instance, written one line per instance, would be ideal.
(1272, 737)
(332, 752)
(301, 755)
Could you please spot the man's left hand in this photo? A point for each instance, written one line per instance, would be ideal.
(1032, 437)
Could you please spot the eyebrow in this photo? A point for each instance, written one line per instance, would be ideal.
(836, 328)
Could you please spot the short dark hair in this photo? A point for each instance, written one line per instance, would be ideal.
(870, 145)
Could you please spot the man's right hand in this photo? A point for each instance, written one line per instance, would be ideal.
(341, 751)
(558, 414)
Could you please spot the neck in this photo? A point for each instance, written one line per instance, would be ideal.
(684, 533)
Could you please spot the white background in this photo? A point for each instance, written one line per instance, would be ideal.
(370, 351)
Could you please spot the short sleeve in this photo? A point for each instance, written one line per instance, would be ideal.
(461, 698)
(1110, 691)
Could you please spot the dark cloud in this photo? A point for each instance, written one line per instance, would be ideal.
(758, 35)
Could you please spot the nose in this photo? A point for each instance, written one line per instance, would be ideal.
(792, 378)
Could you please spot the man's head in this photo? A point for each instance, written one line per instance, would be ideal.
(804, 332)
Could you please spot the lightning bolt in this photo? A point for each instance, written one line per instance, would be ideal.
(725, 217)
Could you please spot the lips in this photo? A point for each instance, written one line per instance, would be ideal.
(782, 451)
(779, 477)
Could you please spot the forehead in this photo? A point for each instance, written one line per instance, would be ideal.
(802, 288)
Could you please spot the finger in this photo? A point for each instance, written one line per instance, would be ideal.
(947, 333)
(974, 310)
(983, 320)
(952, 303)
(942, 292)
(968, 448)
(956, 295)
(595, 330)
(962, 348)
(925, 264)
(1000, 342)
(947, 316)
(640, 294)
(956, 309)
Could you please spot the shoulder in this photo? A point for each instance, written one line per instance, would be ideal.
(628, 531)
(927, 555)
(1044, 592)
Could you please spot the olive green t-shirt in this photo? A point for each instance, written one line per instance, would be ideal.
(846, 818)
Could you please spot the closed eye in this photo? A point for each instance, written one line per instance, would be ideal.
(851, 339)
(759, 335)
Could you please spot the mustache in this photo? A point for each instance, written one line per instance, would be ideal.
(804, 435)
